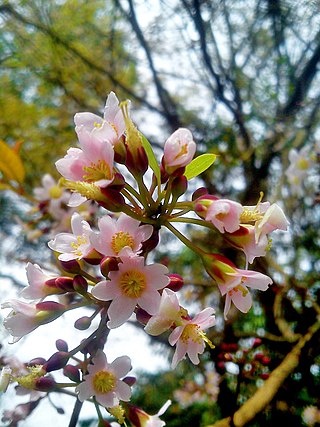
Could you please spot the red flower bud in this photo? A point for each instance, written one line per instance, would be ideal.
(80, 284)
(179, 186)
(71, 266)
(71, 372)
(176, 282)
(265, 360)
(45, 383)
(107, 264)
(129, 380)
(142, 316)
(113, 200)
(64, 283)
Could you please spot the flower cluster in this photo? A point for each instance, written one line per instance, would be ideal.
(103, 264)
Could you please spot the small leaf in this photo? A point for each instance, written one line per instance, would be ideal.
(151, 157)
(199, 165)
(10, 163)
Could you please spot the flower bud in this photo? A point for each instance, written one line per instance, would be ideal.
(137, 161)
(179, 186)
(129, 380)
(118, 182)
(111, 200)
(142, 316)
(57, 361)
(93, 257)
(45, 384)
(179, 150)
(71, 372)
(176, 282)
(83, 323)
(36, 361)
(199, 193)
(257, 342)
(80, 284)
(64, 283)
(107, 264)
(152, 242)
(265, 360)
(120, 151)
(61, 345)
(71, 266)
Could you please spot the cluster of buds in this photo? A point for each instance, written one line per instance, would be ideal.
(104, 264)
(252, 360)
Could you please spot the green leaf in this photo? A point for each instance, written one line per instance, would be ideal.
(199, 165)
(10, 164)
(151, 157)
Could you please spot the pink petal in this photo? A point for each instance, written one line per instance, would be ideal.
(121, 366)
(106, 290)
(120, 311)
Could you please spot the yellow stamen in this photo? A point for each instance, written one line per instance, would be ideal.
(120, 240)
(103, 381)
(117, 412)
(183, 150)
(302, 164)
(86, 189)
(81, 240)
(191, 332)
(97, 171)
(239, 288)
(55, 192)
(133, 283)
(254, 215)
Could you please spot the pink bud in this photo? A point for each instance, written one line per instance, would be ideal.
(200, 192)
(49, 306)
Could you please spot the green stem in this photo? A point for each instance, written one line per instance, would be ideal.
(195, 221)
(130, 198)
(133, 191)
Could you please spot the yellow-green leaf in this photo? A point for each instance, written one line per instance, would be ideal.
(199, 165)
(151, 157)
(10, 163)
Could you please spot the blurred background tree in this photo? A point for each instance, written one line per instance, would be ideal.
(243, 76)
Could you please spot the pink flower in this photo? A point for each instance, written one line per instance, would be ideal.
(40, 284)
(179, 150)
(25, 317)
(5, 378)
(134, 283)
(123, 237)
(236, 288)
(224, 214)
(93, 162)
(103, 381)
(273, 219)
(52, 193)
(140, 418)
(76, 245)
(168, 314)
(190, 338)
(109, 128)
(245, 239)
